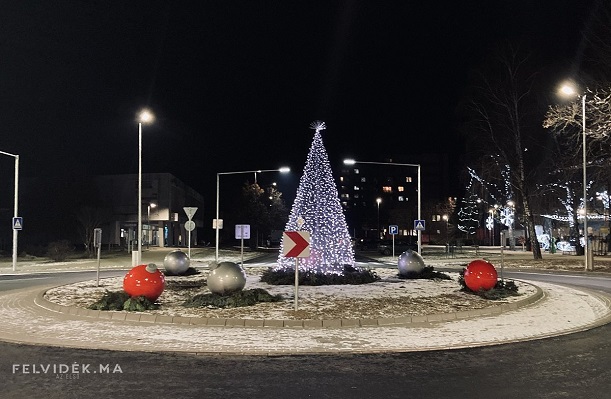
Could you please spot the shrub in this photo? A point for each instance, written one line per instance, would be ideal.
(350, 275)
(427, 273)
(60, 250)
(120, 300)
(191, 271)
(233, 300)
(139, 304)
(111, 300)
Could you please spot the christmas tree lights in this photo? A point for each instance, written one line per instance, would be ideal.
(317, 209)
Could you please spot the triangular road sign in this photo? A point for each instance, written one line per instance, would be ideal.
(190, 211)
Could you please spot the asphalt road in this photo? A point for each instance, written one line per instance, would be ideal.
(570, 366)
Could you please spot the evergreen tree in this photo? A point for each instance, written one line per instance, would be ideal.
(317, 209)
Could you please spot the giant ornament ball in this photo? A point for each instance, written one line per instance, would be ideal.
(176, 262)
(226, 278)
(480, 275)
(144, 280)
(410, 263)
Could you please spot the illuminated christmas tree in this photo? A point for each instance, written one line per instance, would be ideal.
(317, 209)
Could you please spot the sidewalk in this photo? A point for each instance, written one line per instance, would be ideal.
(559, 310)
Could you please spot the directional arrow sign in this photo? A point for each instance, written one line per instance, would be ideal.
(296, 244)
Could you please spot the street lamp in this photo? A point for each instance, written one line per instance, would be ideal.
(15, 215)
(446, 218)
(352, 162)
(569, 90)
(378, 200)
(145, 116)
(217, 226)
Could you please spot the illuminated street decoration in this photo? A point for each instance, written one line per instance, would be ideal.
(489, 223)
(506, 216)
(317, 209)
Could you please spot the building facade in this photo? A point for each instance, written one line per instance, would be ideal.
(163, 218)
(376, 195)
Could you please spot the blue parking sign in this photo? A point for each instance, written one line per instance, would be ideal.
(393, 229)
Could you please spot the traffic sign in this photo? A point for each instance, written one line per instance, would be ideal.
(190, 211)
(419, 225)
(18, 223)
(242, 231)
(190, 225)
(296, 244)
(393, 229)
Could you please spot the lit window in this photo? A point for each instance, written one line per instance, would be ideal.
(356, 188)
(357, 196)
(387, 189)
(356, 171)
(400, 189)
(408, 179)
(363, 179)
(341, 178)
(436, 218)
(400, 198)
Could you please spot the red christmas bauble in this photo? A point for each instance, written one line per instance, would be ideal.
(480, 275)
(144, 280)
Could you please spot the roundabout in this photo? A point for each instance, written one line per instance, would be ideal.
(30, 318)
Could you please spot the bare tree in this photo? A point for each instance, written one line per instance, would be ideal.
(90, 218)
(502, 126)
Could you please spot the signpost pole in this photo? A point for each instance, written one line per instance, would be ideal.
(242, 244)
(296, 244)
(97, 277)
(296, 281)
(97, 242)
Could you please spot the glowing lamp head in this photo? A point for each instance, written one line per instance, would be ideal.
(146, 116)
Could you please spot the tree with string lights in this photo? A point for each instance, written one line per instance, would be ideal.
(317, 209)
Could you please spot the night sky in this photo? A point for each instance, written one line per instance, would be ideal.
(235, 84)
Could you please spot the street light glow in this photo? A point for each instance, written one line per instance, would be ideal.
(146, 116)
(567, 90)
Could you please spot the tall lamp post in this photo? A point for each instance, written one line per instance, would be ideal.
(144, 117)
(352, 162)
(217, 225)
(569, 90)
(16, 204)
(379, 201)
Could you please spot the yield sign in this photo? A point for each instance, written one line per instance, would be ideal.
(296, 244)
(190, 211)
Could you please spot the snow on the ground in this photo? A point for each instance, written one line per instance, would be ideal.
(390, 297)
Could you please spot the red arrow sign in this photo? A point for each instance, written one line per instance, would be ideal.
(296, 244)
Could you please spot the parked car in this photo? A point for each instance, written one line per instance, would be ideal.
(385, 246)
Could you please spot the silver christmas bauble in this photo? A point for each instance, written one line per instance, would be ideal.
(227, 277)
(176, 262)
(410, 262)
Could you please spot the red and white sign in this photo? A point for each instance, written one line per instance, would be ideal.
(296, 244)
